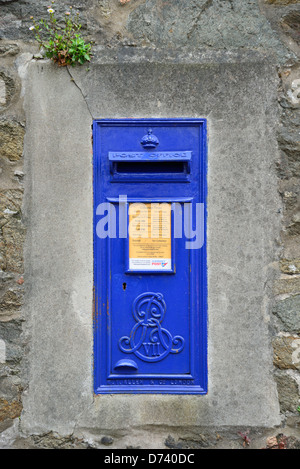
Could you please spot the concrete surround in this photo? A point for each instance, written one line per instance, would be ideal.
(238, 97)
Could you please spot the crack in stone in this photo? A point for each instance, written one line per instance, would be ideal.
(206, 5)
(77, 86)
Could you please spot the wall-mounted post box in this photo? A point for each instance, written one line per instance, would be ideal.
(150, 256)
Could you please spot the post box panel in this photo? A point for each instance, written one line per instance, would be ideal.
(150, 282)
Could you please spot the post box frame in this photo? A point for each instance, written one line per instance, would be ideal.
(102, 255)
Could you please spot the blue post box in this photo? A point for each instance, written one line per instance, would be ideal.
(150, 283)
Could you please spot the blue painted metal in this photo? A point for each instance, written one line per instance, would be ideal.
(148, 340)
(150, 328)
(149, 140)
(153, 156)
(126, 366)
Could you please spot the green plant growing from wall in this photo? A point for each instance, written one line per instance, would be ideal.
(61, 41)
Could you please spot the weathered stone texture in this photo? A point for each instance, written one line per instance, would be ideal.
(289, 142)
(7, 90)
(9, 385)
(287, 307)
(12, 235)
(12, 231)
(156, 25)
(10, 305)
(281, 2)
(11, 140)
(9, 49)
(287, 285)
(288, 392)
(287, 352)
(290, 24)
(15, 16)
(199, 23)
(10, 382)
(288, 311)
(12, 239)
(290, 266)
(9, 410)
(10, 332)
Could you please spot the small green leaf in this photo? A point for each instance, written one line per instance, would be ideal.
(63, 44)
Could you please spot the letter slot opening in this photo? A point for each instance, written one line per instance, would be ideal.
(157, 166)
(141, 167)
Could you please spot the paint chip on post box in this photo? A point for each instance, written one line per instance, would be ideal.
(150, 256)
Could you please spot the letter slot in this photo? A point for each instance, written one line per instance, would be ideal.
(150, 166)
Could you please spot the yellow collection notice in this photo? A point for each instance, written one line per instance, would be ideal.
(150, 236)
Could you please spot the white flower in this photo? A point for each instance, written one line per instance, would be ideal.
(32, 28)
(50, 10)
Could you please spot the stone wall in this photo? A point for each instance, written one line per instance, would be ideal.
(177, 29)
(286, 289)
(284, 17)
(12, 233)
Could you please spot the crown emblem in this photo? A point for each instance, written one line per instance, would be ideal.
(149, 140)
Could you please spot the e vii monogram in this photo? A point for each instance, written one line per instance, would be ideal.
(148, 340)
